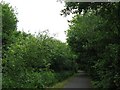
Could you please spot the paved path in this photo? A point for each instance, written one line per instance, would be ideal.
(81, 80)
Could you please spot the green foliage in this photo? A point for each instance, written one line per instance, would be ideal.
(95, 42)
(29, 79)
(9, 25)
(94, 35)
(32, 61)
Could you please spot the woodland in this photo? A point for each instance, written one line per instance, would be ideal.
(40, 61)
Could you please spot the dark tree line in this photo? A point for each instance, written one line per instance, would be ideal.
(94, 34)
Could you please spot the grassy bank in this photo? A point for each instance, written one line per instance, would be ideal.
(63, 83)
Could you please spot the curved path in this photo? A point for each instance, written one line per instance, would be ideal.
(81, 80)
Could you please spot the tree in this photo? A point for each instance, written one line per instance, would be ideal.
(9, 24)
(94, 35)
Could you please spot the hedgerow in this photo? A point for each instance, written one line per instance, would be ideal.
(31, 61)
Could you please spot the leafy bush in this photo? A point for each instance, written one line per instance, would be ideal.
(35, 54)
(93, 39)
(9, 24)
(31, 61)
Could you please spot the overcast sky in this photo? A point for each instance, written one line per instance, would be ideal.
(39, 15)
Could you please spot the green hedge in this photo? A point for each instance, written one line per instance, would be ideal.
(33, 62)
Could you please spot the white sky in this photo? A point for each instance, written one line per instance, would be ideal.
(39, 15)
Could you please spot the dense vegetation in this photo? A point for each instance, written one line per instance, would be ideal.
(93, 41)
(31, 61)
(94, 35)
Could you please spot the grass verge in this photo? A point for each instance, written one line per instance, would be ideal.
(63, 83)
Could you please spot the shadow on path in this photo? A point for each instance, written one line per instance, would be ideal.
(81, 80)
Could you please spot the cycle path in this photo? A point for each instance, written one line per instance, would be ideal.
(81, 80)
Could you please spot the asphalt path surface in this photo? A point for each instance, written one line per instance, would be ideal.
(81, 80)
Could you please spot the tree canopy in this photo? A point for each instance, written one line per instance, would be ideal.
(31, 61)
(94, 35)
